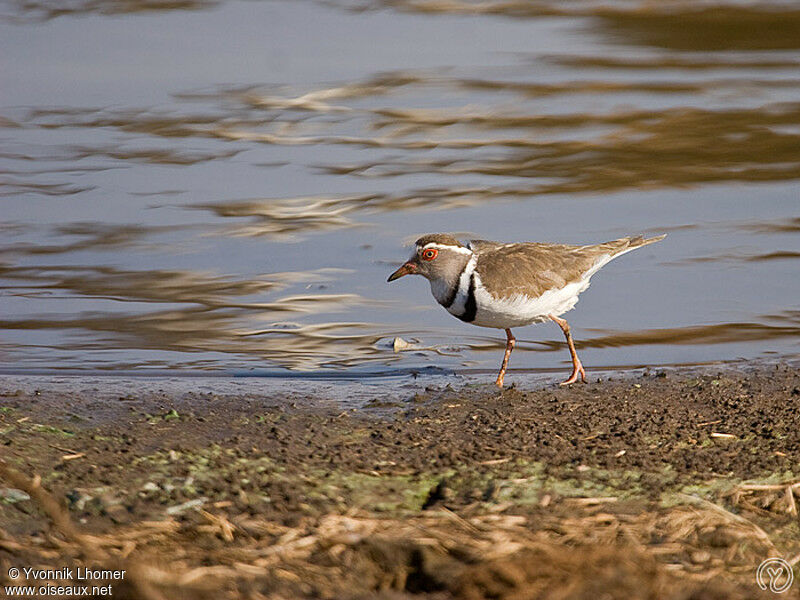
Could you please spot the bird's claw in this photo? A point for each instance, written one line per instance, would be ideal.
(578, 369)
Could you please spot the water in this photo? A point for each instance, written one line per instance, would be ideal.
(224, 187)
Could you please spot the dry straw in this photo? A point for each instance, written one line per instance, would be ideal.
(559, 549)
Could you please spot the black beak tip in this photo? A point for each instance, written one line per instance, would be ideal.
(406, 269)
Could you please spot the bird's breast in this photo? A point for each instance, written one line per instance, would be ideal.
(520, 309)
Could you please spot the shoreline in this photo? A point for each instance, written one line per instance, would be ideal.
(665, 484)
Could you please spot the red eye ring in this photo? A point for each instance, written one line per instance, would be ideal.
(429, 254)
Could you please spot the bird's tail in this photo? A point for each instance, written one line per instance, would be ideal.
(619, 247)
(640, 240)
(608, 251)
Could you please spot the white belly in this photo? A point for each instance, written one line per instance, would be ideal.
(520, 310)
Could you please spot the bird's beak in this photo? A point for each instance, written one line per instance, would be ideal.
(407, 269)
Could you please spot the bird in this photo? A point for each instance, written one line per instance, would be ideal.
(499, 285)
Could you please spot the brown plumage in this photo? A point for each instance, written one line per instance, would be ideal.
(439, 238)
(537, 268)
(491, 284)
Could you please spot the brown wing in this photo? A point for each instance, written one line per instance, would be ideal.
(533, 268)
(483, 246)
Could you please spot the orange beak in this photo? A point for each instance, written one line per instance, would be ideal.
(407, 269)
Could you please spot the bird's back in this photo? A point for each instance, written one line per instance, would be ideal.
(532, 268)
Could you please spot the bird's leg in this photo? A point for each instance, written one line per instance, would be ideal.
(577, 367)
(511, 340)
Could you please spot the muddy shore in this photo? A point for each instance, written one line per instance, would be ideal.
(670, 484)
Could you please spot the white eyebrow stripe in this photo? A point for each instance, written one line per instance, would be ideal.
(459, 249)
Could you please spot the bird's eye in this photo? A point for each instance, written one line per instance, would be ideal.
(429, 254)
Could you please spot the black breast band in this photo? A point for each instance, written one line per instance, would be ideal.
(470, 307)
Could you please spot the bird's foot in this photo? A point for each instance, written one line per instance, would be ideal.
(576, 370)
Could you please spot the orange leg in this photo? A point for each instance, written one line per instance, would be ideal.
(577, 367)
(511, 340)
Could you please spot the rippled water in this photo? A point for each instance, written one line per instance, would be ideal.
(226, 185)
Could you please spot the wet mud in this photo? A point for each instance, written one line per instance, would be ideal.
(670, 484)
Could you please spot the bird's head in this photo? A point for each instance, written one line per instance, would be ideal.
(437, 256)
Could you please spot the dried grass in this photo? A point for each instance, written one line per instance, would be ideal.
(565, 550)
(767, 498)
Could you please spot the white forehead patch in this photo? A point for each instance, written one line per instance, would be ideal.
(459, 249)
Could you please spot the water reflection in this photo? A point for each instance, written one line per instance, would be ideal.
(741, 257)
(690, 62)
(786, 325)
(15, 187)
(707, 27)
(95, 236)
(215, 333)
(564, 152)
(287, 216)
(202, 313)
(45, 10)
(249, 224)
(791, 225)
(556, 153)
(154, 285)
(764, 328)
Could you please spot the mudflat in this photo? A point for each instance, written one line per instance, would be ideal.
(673, 484)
